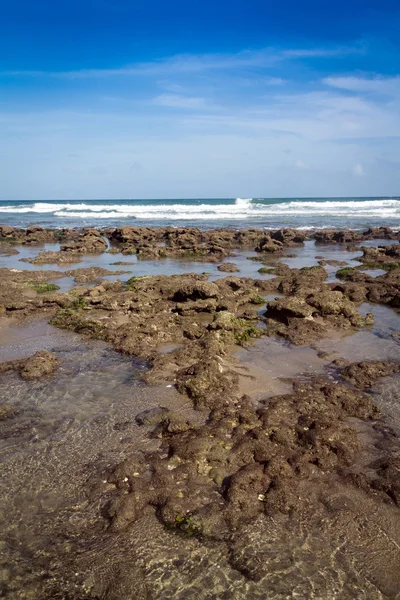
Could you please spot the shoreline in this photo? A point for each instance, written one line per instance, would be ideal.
(273, 213)
(238, 459)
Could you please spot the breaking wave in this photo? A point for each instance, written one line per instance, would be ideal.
(241, 208)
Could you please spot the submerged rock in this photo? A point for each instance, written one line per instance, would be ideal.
(92, 274)
(42, 363)
(6, 411)
(167, 421)
(228, 268)
(364, 374)
(48, 257)
(6, 249)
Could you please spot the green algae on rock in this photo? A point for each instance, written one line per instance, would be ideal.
(42, 287)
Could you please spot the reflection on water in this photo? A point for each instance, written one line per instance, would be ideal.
(270, 360)
(305, 256)
(374, 272)
(372, 343)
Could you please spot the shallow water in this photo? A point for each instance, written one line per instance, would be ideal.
(75, 425)
(372, 343)
(270, 360)
(72, 428)
(66, 428)
(305, 256)
(374, 272)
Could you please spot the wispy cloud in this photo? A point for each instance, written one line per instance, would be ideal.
(274, 81)
(179, 101)
(358, 170)
(299, 164)
(323, 52)
(185, 63)
(266, 122)
(384, 85)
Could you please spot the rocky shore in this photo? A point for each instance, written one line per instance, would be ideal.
(324, 448)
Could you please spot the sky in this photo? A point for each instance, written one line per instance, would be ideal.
(199, 98)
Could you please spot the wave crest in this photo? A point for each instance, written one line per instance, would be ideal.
(241, 208)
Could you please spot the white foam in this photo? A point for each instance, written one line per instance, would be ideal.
(38, 207)
(243, 202)
(242, 208)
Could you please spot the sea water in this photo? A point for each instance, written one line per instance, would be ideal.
(306, 213)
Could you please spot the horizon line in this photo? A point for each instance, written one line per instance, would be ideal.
(348, 196)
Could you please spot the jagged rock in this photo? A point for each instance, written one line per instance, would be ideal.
(89, 241)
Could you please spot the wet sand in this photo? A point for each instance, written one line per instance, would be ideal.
(70, 430)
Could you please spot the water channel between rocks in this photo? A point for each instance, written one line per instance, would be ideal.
(304, 256)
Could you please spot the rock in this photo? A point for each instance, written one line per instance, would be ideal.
(268, 244)
(387, 480)
(336, 236)
(207, 382)
(7, 249)
(40, 364)
(48, 257)
(228, 267)
(380, 233)
(92, 274)
(89, 241)
(224, 320)
(6, 411)
(210, 481)
(331, 303)
(303, 319)
(300, 282)
(289, 236)
(356, 292)
(286, 308)
(152, 416)
(364, 374)
(38, 235)
(196, 291)
(6, 231)
(192, 307)
(167, 421)
(333, 263)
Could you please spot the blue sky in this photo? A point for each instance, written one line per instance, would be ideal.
(122, 99)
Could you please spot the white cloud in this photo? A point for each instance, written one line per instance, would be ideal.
(178, 101)
(206, 125)
(323, 52)
(274, 81)
(185, 63)
(358, 170)
(299, 164)
(385, 85)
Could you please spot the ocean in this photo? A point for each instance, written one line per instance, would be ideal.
(301, 213)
